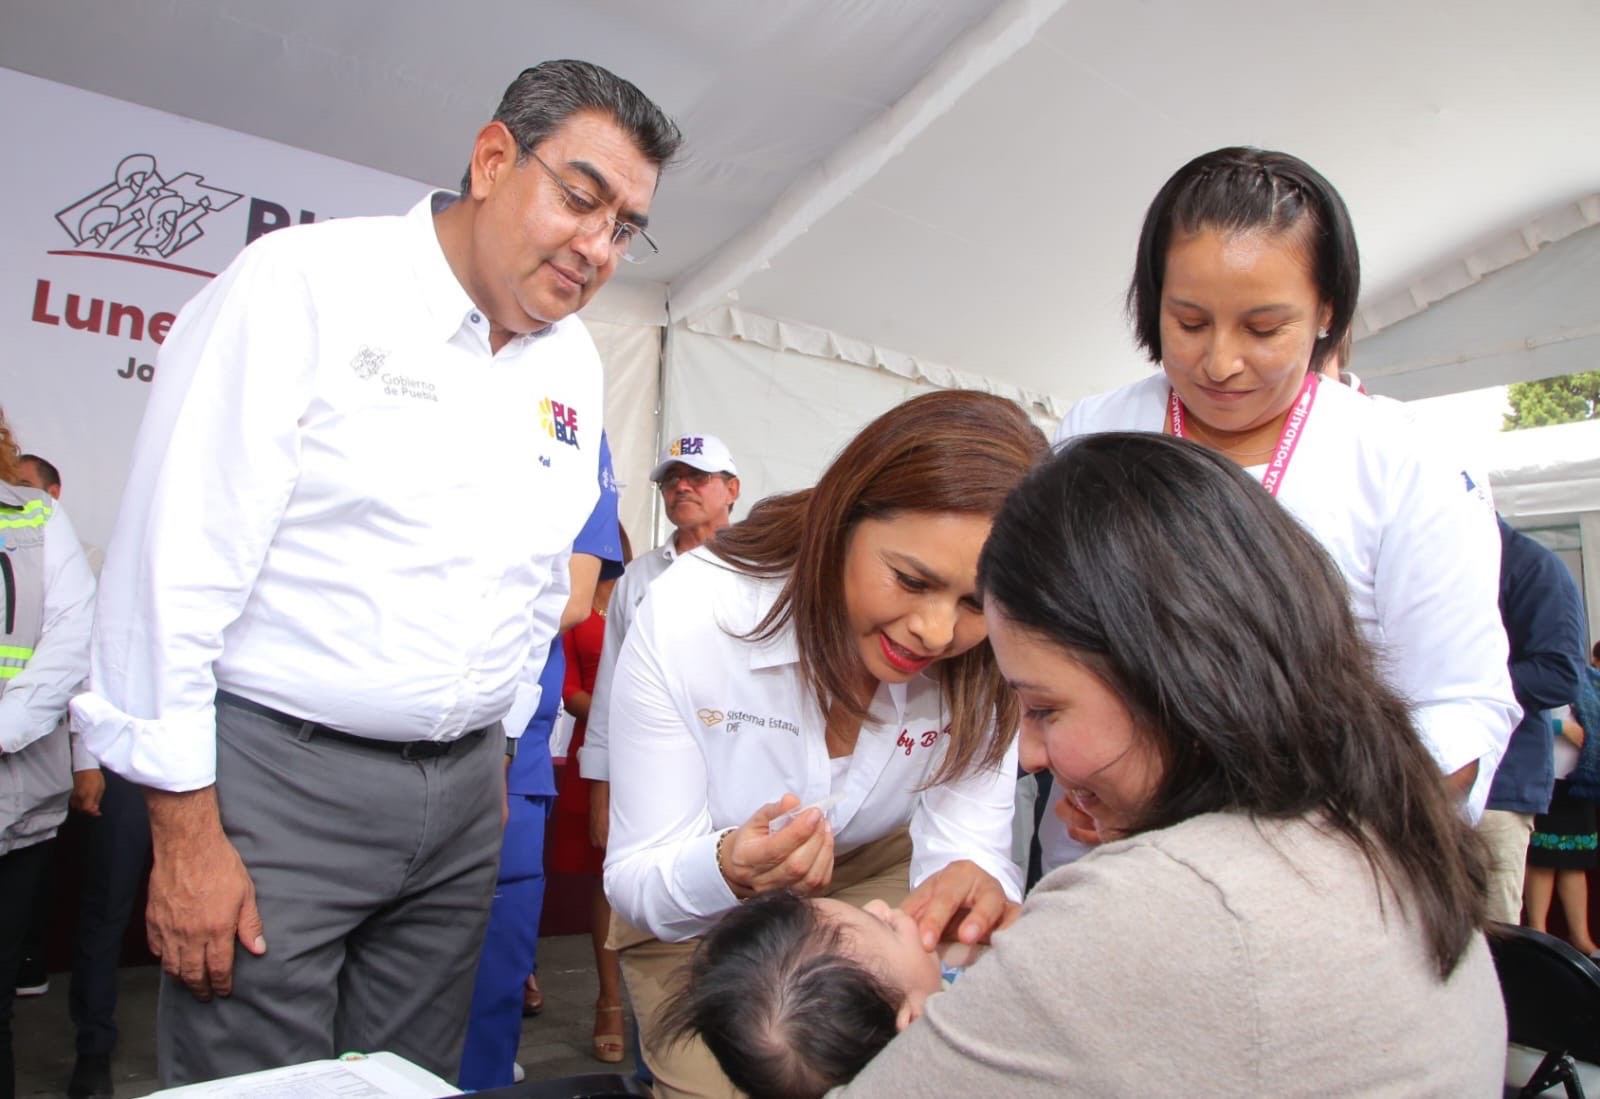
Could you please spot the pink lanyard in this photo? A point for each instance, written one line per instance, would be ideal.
(1287, 441)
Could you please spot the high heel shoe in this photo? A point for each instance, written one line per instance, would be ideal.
(608, 1047)
(532, 998)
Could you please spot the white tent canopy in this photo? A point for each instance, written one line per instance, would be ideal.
(1549, 477)
(942, 194)
(1522, 307)
(1549, 473)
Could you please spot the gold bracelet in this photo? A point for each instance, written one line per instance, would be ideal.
(722, 843)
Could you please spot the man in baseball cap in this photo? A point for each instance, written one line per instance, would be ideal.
(699, 485)
(706, 453)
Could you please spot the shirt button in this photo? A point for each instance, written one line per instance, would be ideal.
(476, 319)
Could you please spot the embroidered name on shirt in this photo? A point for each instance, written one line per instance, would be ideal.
(559, 421)
(907, 740)
(737, 719)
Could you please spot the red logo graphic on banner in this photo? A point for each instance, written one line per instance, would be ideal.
(142, 214)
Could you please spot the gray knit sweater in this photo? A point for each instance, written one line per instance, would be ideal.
(1217, 957)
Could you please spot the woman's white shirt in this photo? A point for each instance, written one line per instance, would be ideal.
(1417, 545)
(706, 727)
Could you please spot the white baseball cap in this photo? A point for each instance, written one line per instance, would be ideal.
(706, 453)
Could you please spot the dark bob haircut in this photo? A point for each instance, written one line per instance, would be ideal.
(1221, 624)
(784, 1010)
(1240, 190)
(541, 99)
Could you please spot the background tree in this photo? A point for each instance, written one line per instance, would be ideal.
(1562, 400)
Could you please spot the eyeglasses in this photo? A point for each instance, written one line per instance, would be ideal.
(695, 477)
(588, 213)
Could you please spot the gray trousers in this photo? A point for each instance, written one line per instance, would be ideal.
(374, 877)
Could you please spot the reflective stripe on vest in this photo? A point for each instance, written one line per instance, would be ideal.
(13, 658)
(34, 513)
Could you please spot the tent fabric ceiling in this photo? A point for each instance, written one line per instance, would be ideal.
(730, 323)
(1537, 317)
(1469, 269)
(761, 91)
(998, 239)
(1002, 239)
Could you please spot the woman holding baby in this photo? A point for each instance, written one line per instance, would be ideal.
(1288, 900)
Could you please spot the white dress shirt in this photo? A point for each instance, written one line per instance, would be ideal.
(1418, 548)
(341, 504)
(35, 699)
(708, 727)
(594, 758)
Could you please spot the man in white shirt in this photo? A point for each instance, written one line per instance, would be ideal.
(699, 485)
(314, 626)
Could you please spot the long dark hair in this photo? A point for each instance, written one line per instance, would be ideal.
(783, 1008)
(1240, 189)
(949, 451)
(1226, 631)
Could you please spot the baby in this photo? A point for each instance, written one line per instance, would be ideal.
(794, 995)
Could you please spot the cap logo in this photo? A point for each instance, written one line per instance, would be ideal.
(689, 444)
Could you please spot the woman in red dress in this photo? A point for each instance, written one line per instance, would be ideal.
(571, 851)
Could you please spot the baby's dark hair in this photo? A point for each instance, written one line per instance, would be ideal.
(785, 1011)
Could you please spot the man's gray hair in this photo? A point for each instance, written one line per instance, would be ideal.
(542, 98)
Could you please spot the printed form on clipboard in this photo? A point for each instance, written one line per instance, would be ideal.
(353, 1076)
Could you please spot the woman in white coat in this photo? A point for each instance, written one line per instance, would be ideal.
(826, 655)
(1244, 286)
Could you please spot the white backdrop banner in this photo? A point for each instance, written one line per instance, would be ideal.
(118, 215)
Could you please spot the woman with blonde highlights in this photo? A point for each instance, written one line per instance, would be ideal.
(810, 702)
